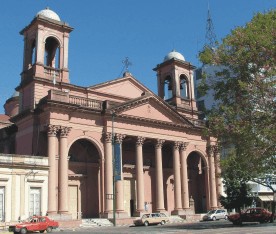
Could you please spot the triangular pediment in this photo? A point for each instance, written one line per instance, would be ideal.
(150, 108)
(127, 87)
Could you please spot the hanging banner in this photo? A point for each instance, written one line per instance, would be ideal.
(117, 161)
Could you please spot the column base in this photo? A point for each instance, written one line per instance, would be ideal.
(118, 214)
(188, 211)
(139, 213)
(178, 212)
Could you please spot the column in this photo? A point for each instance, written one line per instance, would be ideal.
(119, 185)
(184, 176)
(177, 181)
(63, 171)
(108, 170)
(140, 175)
(159, 176)
(218, 175)
(52, 198)
(212, 176)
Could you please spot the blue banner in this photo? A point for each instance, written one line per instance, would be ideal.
(117, 161)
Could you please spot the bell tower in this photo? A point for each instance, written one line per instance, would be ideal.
(45, 58)
(175, 83)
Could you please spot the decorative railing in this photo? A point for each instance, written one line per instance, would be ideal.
(85, 102)
(62, 96)
(52, 72)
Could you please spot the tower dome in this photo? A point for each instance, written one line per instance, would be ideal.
(174, 54)
(48, 14)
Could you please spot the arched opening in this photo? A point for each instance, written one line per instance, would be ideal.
(83, 191)
(184, 87)
(168, 88)
(197, 173)
(33, 54)
(52, 53)
(167, 163)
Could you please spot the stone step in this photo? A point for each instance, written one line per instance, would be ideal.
(95, 222)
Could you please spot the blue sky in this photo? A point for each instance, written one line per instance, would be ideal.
(107, 31)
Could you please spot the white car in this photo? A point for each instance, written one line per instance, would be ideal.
(215, 215)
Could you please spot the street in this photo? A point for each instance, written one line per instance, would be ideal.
(222, 227)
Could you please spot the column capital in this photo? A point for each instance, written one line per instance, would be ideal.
(107, 137)
(183, 146)
(64, 131)
(176, 145)
(52, 130)
(159, 143)
(212, 150)
(140, 140)
(119, 138)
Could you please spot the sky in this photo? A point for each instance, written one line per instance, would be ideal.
(107, 31)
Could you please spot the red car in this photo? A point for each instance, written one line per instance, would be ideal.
(36, 223)
(251, 215)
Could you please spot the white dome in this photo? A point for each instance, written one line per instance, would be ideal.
(174, 54)
(49, 14)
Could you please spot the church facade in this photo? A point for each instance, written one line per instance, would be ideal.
(111, 147)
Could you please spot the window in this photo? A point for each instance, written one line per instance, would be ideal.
(2, 204)
(168, 86)
(35, 201)
(184, 87)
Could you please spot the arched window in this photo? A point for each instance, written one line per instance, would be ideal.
(184, 87)
(168, 86)
(52, 51)
(33, 52)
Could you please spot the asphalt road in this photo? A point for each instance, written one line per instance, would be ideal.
(220, 226)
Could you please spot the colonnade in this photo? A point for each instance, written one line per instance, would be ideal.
(181, 193)
(57, 139)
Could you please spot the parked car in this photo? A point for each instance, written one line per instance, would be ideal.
(35, 223)
(152, 218)
(215, 215)
(251, 215)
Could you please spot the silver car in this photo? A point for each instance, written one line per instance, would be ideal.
(215, 215)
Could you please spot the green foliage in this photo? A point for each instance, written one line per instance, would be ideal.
(235, 181)
(245, 92)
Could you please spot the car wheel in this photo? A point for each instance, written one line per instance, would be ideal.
(23, 231)
(41, 231)
(146, 223)
(162, 222)
(214, 218)
(49, 229)
(226, 217)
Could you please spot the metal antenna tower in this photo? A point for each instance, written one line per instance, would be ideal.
(210, 36)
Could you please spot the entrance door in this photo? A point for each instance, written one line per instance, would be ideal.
(35, 202)
(2, 204)
(73, 201)
(129, 196)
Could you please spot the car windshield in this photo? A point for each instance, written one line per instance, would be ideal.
(211, 212)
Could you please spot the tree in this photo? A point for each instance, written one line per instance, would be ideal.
(245, 93)
(238, 193)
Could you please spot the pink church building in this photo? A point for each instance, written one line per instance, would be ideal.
(166, 163)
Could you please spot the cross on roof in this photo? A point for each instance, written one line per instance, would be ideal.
(127, 63)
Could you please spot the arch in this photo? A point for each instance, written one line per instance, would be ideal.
(33, 51)
(168, 87)
(84, 178)
(94, 141)
(184, 86)
(169, 194)
(198, 180)
(52, 52)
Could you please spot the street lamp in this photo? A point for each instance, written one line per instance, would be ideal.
(113, 167)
